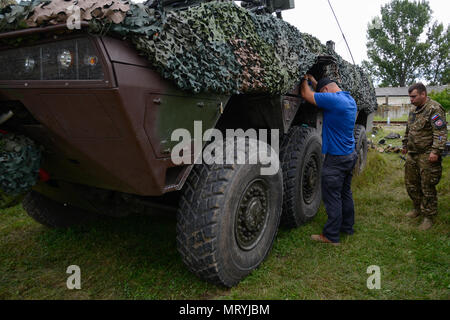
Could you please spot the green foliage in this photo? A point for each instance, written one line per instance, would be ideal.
(397, 56)
(8, 201)
(438, 63)
(442, 97)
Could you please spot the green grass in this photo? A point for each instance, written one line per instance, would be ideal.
(402, 118)
(380, 118)
(136, 257)
(383, 131)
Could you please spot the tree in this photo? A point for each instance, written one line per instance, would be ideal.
(442, 97)
(395, 50)
(438, 64)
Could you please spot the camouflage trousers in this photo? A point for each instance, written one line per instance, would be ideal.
(421, 178)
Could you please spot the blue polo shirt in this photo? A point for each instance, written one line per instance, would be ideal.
(339, 116)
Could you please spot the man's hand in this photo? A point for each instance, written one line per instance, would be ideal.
(433, 157)
(312, 79)
(306, 91)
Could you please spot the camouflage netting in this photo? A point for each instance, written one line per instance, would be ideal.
(353, 78)
(215, 47)
(20, 161)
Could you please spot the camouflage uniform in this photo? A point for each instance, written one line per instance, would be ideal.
(426, 132)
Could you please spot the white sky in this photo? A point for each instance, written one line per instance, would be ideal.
(315, 17)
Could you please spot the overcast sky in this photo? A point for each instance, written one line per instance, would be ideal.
(315, 17)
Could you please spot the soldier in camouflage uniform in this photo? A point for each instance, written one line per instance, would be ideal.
(425, 138)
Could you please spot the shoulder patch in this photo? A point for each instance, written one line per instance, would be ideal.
(438, 122)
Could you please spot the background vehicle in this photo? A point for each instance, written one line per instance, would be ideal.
(106, 131)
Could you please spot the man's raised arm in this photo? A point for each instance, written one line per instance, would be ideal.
(306, 91)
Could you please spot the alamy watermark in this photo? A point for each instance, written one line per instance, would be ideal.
(73, 17)
(374, 280)
(236, 147)
(74, 280)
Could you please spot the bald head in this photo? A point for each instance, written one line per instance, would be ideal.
(331, 88)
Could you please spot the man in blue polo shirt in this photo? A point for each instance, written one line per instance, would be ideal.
(338, 146)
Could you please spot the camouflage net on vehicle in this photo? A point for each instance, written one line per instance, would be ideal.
(20, 161)
(216, 46)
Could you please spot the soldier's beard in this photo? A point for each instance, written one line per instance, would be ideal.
(421, 103)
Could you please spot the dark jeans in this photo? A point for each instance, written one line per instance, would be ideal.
(337, 173)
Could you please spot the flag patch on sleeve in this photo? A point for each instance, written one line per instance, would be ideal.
(438, 122)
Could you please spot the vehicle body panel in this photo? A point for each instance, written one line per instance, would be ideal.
(112, 134)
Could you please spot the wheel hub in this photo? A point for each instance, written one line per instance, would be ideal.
(252, 215)
(310, 179)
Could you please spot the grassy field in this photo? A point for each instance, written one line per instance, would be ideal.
(380, 118)
(402, 118)
(136, 257)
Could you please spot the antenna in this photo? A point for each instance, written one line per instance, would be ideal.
(343, 35)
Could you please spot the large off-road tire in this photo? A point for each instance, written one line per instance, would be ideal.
(227, 220)
(53, 214)
(301, 162)
(362, 147)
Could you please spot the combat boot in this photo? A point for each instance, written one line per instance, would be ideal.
(426, 224)
(413, 214)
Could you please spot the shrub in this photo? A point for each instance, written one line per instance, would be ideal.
(442, 97)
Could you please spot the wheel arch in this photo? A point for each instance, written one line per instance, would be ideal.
(365, 119)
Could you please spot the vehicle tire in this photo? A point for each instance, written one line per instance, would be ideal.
(53, 214)
(301, 163)
(227, 220)
(361, 148)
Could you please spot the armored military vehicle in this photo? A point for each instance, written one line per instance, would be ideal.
(96, 107)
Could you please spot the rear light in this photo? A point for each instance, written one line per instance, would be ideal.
(43, 175)
(75, 59)
(90, 61)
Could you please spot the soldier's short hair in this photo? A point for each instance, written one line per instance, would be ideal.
(420, 87)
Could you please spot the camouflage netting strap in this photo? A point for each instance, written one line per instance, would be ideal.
(20, 161)
(216, 46)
